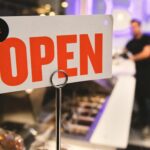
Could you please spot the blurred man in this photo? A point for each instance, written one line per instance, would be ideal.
(139, 46)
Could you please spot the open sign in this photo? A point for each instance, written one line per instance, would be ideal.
(37, 46)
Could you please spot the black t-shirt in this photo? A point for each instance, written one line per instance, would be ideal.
(135, 46)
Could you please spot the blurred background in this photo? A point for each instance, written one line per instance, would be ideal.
(96, 114)
(122, 10)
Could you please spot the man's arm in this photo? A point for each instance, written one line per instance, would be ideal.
(142, 55)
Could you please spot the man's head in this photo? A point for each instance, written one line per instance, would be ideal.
(136, 28)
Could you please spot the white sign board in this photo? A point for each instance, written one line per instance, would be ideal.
(38, 46)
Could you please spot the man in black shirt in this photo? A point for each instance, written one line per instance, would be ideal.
(139, 46)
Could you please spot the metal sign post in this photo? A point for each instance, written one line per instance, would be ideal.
(58, 105)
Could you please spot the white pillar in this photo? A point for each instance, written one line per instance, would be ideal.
(86, 7)
(136, 8)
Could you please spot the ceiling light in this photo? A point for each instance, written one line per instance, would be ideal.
(42, 15)
(64, 4)
(52, 13)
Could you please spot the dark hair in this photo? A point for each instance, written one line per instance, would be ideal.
(136, 21)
